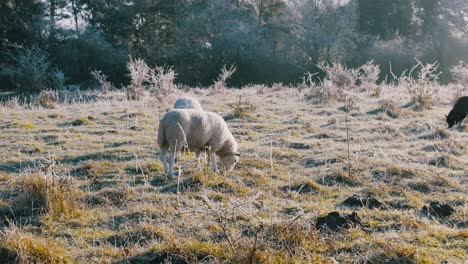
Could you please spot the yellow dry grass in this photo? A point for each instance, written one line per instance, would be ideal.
(117, 206)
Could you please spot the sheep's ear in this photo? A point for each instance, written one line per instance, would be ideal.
(237, 154)
(446, 116)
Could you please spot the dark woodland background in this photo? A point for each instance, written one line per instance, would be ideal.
(268, 40)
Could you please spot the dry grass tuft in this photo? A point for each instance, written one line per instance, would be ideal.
(147, 168)
(395, 252)
(390, 108)
(4, 176)
(56, 196)
(82, 121)
(115, 195)
(47, 99)
(23, 247)
(306, 187)
(242, 109)
(219, 183)
(95, 169)
(340, 177)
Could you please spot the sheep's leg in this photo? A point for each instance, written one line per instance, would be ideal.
(197, 154)
(171, 162)
(213, 162)
(173, 158)
(162, 157)
(458, 123)
(461, 121)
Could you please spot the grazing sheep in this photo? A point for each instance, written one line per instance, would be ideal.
(197, 130)
(187, 103)
(458, 112)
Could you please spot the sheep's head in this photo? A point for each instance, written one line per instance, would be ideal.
(229, 161)
(452, 119)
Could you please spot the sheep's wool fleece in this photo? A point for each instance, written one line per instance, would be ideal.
(187, 103)
(200, 129)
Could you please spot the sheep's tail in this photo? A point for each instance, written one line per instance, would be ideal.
(162, 135)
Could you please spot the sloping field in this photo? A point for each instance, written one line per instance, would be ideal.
(83, 183)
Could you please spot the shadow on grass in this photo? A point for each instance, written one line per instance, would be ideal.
(101, 156)
(8, 257)
(131, 237)
(156, 257)
(20, 166)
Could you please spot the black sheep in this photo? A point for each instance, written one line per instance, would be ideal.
(458, 112)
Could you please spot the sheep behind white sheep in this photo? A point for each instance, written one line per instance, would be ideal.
(187, 103)
(197, 130)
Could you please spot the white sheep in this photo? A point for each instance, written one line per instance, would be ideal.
(187, 103)
(197, 130)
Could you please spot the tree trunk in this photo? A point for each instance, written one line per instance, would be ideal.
(52, 11)
(75, 14)
(260, 12)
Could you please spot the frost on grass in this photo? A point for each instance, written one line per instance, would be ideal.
(106, 199)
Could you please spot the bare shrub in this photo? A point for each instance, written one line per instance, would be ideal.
(458, 91)
(339, 79)
(101, 78)
(368, 76)
(219, 85)
(460, 75)
(57, 79)
(47, 98)
(139, 71)
(424, 88)
(460, 72)
(161, 80)
(31, 68)
(340, 76)
(326, 92)
(307, 81)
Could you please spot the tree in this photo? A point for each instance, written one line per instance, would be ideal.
(55, 12)
(428, 14)
(329, 31)
(385, 18)
(145, 27)
(278, 25)
(455, 13)
(21, 21)
(75, 9)
(210, 34)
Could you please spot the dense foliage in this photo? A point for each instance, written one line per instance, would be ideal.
(268, 40)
